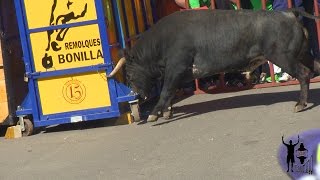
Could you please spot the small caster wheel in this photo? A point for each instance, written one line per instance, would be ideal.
(135, 111)
(28, 127)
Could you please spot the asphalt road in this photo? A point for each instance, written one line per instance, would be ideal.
(222, 136)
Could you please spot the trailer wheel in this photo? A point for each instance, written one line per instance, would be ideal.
(135, 111)
(28, 127)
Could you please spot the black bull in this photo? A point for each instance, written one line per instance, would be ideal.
(193, 44)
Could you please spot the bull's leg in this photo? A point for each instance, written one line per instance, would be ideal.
(166, 97)
(297, 67)
(303, 75)
(173, 77)
(167, 111)
(304, 72)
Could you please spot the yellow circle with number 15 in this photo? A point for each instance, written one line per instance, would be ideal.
(74, 91)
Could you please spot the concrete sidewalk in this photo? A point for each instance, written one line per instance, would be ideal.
(222, 136)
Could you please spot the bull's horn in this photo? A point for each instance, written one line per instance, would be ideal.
(121, 62)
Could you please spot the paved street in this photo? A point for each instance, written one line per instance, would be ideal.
(222, 136)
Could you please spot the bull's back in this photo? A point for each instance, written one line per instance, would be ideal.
(226, 36)
(224, 26)
(221, 37)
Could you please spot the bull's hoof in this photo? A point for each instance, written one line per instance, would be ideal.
(299, 107)
(167, 115)
(152, 118)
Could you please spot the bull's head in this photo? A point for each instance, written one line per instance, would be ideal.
(137, 74)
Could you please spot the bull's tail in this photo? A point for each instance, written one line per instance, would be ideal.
(298, 12)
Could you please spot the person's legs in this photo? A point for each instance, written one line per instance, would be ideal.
(313, 37)
(283, 4)
(223, 4)
(288, 163)
(265, 69)
(264, 73)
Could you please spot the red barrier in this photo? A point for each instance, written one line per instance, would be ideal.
(264, 4)
(187, 4)
(238, 3)
(289, 3)
(213, 4)
(273, 79)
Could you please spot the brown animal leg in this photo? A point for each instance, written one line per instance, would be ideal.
(304, 78)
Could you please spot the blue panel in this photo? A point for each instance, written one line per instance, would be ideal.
(31, 104)
(80, 112)
(106, 52)
(87, 117)
(37, 75)
(124, 93)
(118, 23)
(70, 25)
(25, 107)
(30, 100)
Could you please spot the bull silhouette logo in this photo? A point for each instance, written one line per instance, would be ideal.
(64, 15)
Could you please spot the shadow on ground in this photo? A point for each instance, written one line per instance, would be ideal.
(69, 127)
(250, 100)
(79, 126)
(3, 130)
(190, 110)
